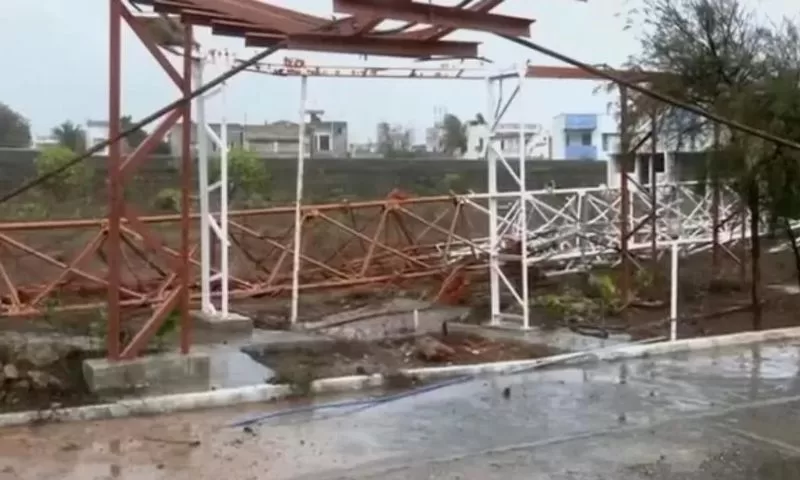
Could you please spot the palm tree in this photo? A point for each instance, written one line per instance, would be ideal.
(71, 136)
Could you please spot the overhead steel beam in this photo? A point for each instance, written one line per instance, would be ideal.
(365, 45)
(435, 14)
(265, 16)
(572, 73)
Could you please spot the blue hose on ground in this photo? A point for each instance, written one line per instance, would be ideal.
(366, 403)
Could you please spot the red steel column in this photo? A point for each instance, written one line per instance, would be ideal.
(115, 196)
(186, 187)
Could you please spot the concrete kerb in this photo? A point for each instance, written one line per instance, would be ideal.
(263, 393)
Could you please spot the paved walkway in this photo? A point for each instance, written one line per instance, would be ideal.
(729, 415)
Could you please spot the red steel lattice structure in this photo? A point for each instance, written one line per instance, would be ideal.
(392, 240)
(262, 25)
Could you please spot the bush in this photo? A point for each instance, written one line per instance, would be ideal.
(247, 174)
(168, 200)
(74, 181)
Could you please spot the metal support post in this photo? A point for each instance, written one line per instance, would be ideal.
(491, 165)
(115, 185)
(186, 187)
(523, 210)
(298, 219)
(624, 201)
(673, 291)
(501, 237)
(210, 223)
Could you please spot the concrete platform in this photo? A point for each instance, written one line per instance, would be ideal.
(268, 341)
(172, 369)
(232, 322)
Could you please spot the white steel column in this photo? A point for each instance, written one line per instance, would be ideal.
(523, 208)
(516, 216)
(208, 221)
(202, 174)
(491, 165)
(298, 220)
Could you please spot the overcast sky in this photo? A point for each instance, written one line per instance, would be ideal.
(54, 63)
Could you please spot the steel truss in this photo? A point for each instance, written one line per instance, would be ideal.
(259, 24)
(426, 241)
(391, 241)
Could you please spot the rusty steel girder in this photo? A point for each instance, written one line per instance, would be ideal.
(265, 25)
(427, 13)
(344, 245)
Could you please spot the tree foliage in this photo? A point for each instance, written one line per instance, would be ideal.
(454, 135)
(247, 174)
(71, 136)
(74, 181)
(15, 131)
(394, 142)
(718, 55)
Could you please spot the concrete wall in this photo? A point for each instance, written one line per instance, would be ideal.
(332, 179)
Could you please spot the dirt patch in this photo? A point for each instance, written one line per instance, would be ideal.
(711, 301)
(303, 365)
(27, 386)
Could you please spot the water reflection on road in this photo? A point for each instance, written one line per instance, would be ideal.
(652, 418)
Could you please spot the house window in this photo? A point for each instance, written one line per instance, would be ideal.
(609, 141)
(323, 143)
(586, 138)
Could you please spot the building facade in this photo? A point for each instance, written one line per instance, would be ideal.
(583, 136)
(277, 139)
(96, 132)
(507, 137)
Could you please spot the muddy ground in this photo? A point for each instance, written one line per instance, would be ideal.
(711, 303)
(342, 358)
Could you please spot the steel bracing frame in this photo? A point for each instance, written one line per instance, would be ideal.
(507, 245)
(260, 24)
(214, 237)
(123, 220)
(396, 240)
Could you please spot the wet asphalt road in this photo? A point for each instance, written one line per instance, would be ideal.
(729, 415)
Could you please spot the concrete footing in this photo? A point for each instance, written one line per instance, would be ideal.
(232, 322)
(171, 369)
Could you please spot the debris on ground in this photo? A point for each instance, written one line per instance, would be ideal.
(341, 358)
(431, 350)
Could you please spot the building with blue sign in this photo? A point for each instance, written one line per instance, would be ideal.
(583, 136)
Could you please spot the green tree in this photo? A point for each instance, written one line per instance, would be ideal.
(73, 181)
(716, 54)
(454, 135)
(15, 131)
(71, 136)
(247, 174)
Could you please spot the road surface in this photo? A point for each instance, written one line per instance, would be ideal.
(729, 415)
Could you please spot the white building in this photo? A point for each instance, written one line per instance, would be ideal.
(508, 135)
(583, 136)
(44, 141)
(96, 132)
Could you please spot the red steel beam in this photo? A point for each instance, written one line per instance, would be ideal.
(438, 32)
(447, 17)
(265, 16)
(365, 45)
